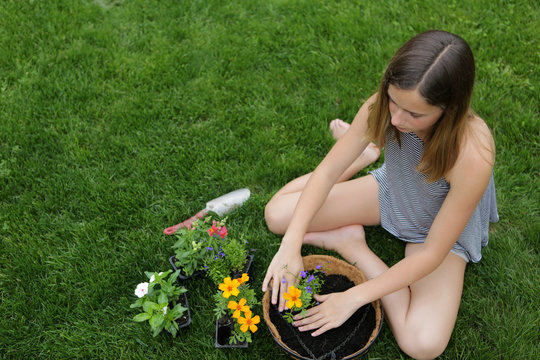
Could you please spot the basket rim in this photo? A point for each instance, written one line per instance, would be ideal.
(338, 267)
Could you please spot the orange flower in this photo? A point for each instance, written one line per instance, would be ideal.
(293, 297)
(243, 279)
(229, 287)
(248, 322)
(238, 307)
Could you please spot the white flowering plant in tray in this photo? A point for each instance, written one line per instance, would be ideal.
(160, 300)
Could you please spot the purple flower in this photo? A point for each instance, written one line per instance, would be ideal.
(310, 279)
(222, 254)
(303, 274)
(318, 267)
(283, 281)
(209, 248)
(308, 289)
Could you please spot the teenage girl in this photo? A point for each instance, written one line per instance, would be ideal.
(435, 191)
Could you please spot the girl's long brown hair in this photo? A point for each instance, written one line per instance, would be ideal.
(440, 65)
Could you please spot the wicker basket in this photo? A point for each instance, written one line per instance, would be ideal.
(337, 267)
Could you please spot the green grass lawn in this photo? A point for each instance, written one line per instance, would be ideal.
(119, 118)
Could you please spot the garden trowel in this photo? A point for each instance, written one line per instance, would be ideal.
(221, 206)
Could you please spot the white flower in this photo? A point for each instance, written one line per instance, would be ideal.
(165, 310)
(142, 289)
(152, 278)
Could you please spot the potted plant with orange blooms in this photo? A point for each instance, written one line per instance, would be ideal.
(235, 321)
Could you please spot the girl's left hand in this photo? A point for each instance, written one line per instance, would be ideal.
(334, 310)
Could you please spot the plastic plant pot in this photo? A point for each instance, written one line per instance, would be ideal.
(224, 327)
(182, 275)
(185, 319)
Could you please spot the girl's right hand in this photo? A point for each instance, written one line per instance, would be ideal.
(283, 270)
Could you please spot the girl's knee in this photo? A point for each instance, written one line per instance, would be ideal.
(423, 344)
(275, 218)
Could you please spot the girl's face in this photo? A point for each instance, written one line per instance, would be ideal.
(410, 112)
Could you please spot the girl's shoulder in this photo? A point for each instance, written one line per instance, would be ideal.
(478, 138)
(477, 149)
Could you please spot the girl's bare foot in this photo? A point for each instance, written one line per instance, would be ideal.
(370, 155)
(348, 241)
(338, 128)
(367, 157)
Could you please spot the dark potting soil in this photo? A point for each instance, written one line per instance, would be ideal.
(224, 330)
(343, 341)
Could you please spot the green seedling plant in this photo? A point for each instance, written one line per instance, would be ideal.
(159, 300)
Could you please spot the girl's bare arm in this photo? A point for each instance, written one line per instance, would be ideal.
(287, 262)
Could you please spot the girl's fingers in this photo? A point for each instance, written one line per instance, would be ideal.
(314, 310)
(309, 314)
(314, 325)
(322, 330)
(275, 290)
(266, 280)
(303, 321)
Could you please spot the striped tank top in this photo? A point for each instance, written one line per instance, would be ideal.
(409, 204)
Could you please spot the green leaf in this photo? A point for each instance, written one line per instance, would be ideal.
(157, 320)
(157, 330)
(167, 288)
(172, 329)
(137, 303)
(141, 317)
(174, 276)
(178, 310)
(148, 306)
(162, 299)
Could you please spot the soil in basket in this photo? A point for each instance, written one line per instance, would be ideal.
(334, 338)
